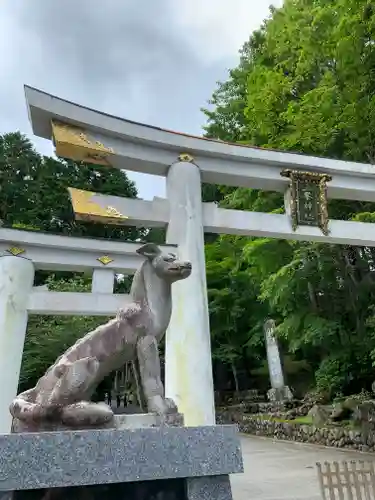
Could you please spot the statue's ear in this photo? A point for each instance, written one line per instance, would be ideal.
(149, 250)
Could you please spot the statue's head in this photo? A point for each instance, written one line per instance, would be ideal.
(166, 265)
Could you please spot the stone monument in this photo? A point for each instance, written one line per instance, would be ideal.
(65, 446)
(279, 391)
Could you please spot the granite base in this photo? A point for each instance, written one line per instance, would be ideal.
(147, 463)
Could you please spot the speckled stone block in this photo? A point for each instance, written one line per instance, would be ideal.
(136, 420)
(80, 458)
(209, 488)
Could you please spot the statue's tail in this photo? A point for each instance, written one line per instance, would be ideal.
(27, 411)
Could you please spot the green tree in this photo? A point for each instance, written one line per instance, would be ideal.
(235, 316)
(305, 83)
(34, 190)
(34, 196)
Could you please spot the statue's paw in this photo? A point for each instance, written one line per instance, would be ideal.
(156, 404)
(172, 407)
(161, 406)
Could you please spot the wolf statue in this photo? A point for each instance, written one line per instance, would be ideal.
(62, 396)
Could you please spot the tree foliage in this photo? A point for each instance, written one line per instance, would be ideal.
(34, 190)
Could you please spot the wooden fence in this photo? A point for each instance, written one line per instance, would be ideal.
(347, 480)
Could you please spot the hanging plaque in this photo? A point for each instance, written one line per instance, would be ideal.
(308, 199)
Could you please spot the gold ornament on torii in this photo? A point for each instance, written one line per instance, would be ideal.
(309, 203)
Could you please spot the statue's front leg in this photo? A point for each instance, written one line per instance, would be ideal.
(149, 369)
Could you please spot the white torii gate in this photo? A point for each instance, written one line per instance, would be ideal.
(88, 135)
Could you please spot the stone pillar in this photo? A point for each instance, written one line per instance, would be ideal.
(278, 391)
(188, 364)
(16, 281)
(273, 356)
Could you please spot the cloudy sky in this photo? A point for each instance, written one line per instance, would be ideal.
(153, 61)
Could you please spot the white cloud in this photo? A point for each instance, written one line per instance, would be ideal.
(216, 29)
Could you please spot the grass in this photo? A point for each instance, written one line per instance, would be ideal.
(307, 420)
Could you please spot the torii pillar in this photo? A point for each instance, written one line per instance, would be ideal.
(188, 363)
(16, 281)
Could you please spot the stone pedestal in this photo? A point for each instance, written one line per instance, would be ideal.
(135, 421)
(164, 463)
(280, 395)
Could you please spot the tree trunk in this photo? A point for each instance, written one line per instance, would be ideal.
(312, 296)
